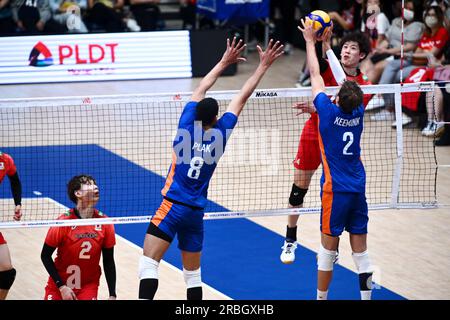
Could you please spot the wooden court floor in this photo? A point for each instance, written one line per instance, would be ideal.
(409, 247)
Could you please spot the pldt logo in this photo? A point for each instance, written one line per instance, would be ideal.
(37, 50)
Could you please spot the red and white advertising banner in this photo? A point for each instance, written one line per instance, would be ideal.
(90, 57)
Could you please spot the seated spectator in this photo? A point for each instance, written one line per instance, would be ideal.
(69, 13)
(188, 13)
(389, 48)
(108, 15)
(285, 21)
(374, 22)
(7, 25)
(438, 111)
(445, 7)
(34, 17)
(430, 45)
(146, 13)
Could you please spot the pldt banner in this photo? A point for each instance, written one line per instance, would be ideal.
(89, 57)
(234, 11)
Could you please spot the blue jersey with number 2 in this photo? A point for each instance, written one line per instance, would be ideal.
(195, 156)
(339, 140)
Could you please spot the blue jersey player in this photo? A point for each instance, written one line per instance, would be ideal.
(343, 181)
(198, 146)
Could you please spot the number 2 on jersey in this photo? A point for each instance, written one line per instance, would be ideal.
(196, 165)
(347, 136)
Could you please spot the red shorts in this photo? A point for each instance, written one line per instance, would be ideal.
(2, 240)
(308, 154)
(87, 292)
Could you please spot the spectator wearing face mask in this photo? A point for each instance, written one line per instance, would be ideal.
(388, 50)
(430, 47)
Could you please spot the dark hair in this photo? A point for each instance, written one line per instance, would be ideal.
(439, 16)
(75, 185)
(350, 96)
(361, 39)
(207, 110)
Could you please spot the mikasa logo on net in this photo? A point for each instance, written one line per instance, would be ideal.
(263, 94)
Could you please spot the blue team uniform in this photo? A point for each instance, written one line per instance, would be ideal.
(194, 159)
(343, 181)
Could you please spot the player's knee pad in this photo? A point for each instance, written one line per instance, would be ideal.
(148, 268)
(297, 195)
(7, 278)
(326, 259)
(362, 262)
(192, 278)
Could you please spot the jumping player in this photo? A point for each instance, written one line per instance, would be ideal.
(354, 48)
(343, 182)
(198, 146)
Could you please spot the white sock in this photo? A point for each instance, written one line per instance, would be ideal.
(366, 295)
(322, 295)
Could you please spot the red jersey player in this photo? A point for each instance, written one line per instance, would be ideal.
(75, 273)
(7, 272)
(354, 48)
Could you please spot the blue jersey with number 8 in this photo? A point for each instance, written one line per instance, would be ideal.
(339, 140)
(195, 156)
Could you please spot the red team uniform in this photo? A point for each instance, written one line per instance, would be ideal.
(78, 256)
(7, 168)
(308, 154)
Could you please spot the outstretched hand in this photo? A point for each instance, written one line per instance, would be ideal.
(326, 35)
(304, 107)
(273, 52)
(233, 53)
(308, 31)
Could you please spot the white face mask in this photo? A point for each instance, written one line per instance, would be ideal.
(408, 14)
(431, 22)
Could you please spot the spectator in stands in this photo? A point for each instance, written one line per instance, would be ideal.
(146, 13)
(287, 21)
(430, 46)
(188, 13)
(389, 48)
(437, 110)
(69, 13)
(374, 22)
(35, 16)
(445, 7)
(108, 15)
(7, 25)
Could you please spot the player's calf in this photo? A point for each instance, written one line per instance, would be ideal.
(296, 199)
(148, 276)
(7, 279)
(193, 280)
(365, 272)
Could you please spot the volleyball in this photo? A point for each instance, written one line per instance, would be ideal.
(320, 21)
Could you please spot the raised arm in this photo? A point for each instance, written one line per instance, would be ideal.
(231, 56)
(266, 58)
(317, 83)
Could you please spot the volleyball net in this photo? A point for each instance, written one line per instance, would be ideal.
(125, 143)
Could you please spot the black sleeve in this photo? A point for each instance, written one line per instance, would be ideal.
(16, 188)
(46, 258)
(323, 64)
(110, 270)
